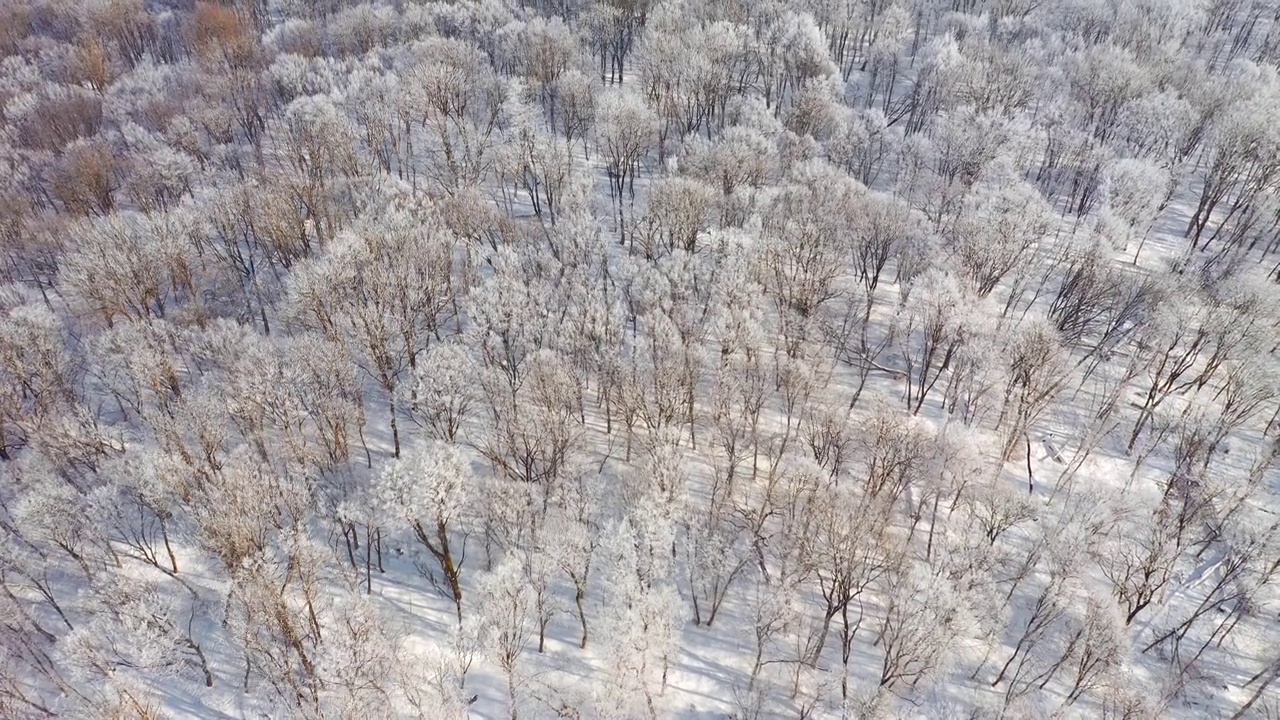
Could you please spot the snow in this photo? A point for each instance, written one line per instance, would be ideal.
(672, 412)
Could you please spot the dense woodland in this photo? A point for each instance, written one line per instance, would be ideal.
(639, 359)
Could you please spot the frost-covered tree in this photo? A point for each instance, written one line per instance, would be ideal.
(429, 490)
(930, 331)
(443, 396)
(385, 291)
(509, 613)
(131, 267)
(626, 130)
(998, 229)
(640, 622)
(923, 620)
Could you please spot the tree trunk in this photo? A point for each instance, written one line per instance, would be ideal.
(173, 560)
(578, 597)
(395, 431)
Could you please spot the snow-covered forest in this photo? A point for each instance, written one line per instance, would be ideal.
(639, 359)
